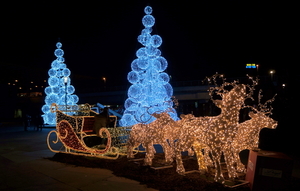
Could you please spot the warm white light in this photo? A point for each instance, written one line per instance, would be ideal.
(210, 137)
(71, 132)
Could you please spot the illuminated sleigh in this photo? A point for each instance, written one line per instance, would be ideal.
(74, 129)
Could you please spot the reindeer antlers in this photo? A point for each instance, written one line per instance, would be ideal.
(221, 91)
(218, 90)
(251, 88)
(147, 115)
(262, 108)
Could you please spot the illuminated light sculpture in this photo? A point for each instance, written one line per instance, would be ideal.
(160, 131)
(71, 131)
(214, 132)
(60, 90)
(150, 84)
(210, 137)
(223, 134)
(247, 136)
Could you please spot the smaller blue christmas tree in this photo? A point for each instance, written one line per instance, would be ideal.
(150, 91)
(60, 89)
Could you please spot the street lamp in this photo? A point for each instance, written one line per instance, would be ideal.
(66, 83)
(272, 72)
(104, 80)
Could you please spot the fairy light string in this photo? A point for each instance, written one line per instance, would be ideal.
(211, 137)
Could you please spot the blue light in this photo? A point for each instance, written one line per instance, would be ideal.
(143, 63)
(58, 45)
(150, 91)
(70, 89)
(156, 41)
(148, 10)
(66, 72)
(52, 72)
(58, 52)
(58, 92)
(48, 90)
(251, 65)
(53, 81)
(55, 89)
(148, 21)
(55, 64)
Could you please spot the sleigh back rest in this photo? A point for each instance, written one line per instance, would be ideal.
(88, 124)
(89, 121)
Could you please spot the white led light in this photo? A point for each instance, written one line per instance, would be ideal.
(209, 137)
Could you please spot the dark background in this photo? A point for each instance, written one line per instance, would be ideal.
(200, 38)
(100, 39)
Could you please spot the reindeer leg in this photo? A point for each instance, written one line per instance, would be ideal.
(150, 151)
(191, 152)
(130, 147)
(216, 155)
(240, 167)
(179, 164)
(168, 153)
(207, 158)
(200, 157)
(229, 159)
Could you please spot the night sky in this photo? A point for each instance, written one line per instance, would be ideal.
(100, 39)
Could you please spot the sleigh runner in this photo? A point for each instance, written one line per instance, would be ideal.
(75, 134)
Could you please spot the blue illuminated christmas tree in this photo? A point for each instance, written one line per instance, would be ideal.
(60, 89)
(150, 91)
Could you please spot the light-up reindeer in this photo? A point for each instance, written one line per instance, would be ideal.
(190, 131)
(247, 136)
(220, 130)
(214, 133)
(160, 131)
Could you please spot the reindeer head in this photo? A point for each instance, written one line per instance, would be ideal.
(163, 118)
(235, 97)
(185, 119)
(163, 115)
(262, 120)
(261, 116)
(187, 116)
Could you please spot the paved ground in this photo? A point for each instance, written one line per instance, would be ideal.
(23, 166)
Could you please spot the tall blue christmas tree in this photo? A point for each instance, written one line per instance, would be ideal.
(60, 89)
(150, 91)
